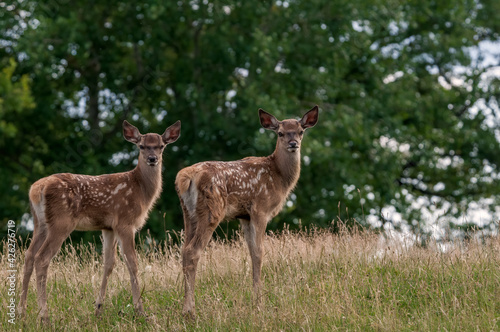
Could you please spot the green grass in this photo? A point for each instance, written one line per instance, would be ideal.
(313, 282)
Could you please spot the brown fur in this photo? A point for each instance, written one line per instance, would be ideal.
(117, 204)
(252, 190)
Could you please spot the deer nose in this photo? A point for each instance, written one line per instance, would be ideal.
(292, 144)
(152, 159)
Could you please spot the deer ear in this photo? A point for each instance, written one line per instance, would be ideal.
(172, 133)
(310, 118)
(131, 133)
(268, 121)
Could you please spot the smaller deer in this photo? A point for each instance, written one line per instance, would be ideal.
(118, 204)
(252, 190)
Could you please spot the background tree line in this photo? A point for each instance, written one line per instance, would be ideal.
(407, 92)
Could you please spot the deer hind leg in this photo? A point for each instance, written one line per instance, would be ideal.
(56, 234)
(109, 253)
(127, 243)
(254, 231)
(202, 224)
(39, 236)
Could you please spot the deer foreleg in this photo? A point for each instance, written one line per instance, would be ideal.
(254, 231)
(127, 244)
(109, 252)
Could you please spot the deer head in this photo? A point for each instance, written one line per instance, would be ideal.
(151, 145)
(290, 132)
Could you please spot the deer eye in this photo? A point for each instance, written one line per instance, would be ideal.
(280, 134)
(162, 146)
(301, 133)
(141, 147)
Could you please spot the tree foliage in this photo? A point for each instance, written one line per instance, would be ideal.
(16, 101)
(408, 106)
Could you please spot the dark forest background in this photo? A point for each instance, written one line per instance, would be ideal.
(408, 94)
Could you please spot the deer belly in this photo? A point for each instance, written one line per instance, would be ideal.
(92, 224)
(235, 210)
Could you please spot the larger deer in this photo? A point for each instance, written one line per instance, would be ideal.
(118, 204)
(252, 190)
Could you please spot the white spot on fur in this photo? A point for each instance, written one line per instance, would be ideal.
(118, 188)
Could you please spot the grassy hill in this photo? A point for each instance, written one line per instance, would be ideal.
(311, 281)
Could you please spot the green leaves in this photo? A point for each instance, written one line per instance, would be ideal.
(406, 114)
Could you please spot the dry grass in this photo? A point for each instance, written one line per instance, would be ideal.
(312, 281)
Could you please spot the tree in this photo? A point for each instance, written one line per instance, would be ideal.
(407, 120)
(15, 101)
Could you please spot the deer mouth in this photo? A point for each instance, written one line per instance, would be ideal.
(292, 148)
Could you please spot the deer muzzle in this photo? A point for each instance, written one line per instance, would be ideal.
(152, 160)
(293, 146)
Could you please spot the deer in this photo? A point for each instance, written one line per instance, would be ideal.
(252, 190)
(117, 204)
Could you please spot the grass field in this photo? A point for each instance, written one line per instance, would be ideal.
(311, 281)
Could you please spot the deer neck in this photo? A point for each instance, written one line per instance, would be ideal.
(288, 165)
(149, 180)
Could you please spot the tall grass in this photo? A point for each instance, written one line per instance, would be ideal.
(312, 280)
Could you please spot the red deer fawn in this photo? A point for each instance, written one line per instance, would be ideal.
(252, 190)
(118, 204)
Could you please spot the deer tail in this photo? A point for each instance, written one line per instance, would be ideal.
(185, 183)
(182, 182)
